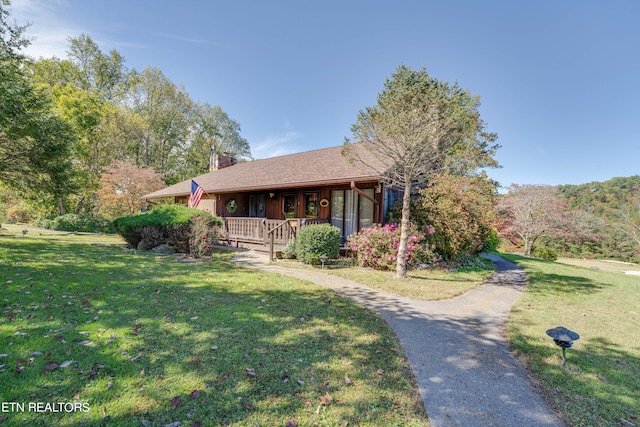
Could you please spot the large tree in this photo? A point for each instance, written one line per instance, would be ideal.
(35, 143)
(420, 125)
(166, 111)
(212, 132)
(122, 186)
(529, 212)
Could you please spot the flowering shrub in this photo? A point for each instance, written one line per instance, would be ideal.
(205, 232)
(377, 246)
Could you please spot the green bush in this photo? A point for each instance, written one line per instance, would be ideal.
(494, 241)
(170, 224)
(289, 251)
(544, 252)
(76, 222)
(315, 240)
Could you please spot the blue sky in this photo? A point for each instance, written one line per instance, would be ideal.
(559, 81)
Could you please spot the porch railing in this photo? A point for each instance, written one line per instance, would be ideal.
(259, 230)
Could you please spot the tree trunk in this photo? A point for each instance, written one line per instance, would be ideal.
(61, 205)
(401, 262)
(528, 246)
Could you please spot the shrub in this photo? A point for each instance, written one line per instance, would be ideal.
(377, 246)
(205, 232)
(544, 252)
(170, 224)
(493, 242)
(315, 240)
(18, 213)
(289, 251)
(77, 222)
(460, 209)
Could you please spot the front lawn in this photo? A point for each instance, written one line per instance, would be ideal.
(137, 339)
(600, 385)
(426, 284)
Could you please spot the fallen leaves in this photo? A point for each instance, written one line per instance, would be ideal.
(324, 402)
(326, 399)
(175, 401)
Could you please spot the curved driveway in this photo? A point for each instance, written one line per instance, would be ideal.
(461, 360)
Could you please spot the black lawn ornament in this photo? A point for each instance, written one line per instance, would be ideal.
(563, 338)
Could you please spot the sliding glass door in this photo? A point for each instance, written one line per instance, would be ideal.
(350, 212)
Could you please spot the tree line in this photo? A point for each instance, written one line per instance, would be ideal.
(65, 122)
(597, 219)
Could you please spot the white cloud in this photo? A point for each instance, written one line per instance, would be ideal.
(274, 146)
(47, 31)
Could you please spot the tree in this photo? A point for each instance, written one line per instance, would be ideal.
(122, 186)
(419, 126)
(12, 38)
(95, 71)
(630, 221)
(35, 143)
(165, 109)
(212, 131)
(530, 212)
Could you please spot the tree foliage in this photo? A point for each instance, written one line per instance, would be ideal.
(35, 142)
(122, 186)
(63, 121)
(419, 125)
(534, 212)
(460, 211)
(614, 205)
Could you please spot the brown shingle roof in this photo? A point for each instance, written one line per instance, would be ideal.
(310, 168)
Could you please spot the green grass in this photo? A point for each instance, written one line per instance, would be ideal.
(201, 343)
(600, 385)
(427, 284)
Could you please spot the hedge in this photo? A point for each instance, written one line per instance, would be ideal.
(313, 241)
(165, 224)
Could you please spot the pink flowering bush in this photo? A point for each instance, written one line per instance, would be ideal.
(377, 246)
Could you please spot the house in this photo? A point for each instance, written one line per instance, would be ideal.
(256, 197)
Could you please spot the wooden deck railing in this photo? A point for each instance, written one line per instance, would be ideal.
(258, 230)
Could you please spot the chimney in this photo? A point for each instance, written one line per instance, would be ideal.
(220, 161)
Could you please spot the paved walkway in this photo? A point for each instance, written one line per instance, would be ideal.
(466, 373)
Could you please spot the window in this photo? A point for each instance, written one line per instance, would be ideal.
(289, 205)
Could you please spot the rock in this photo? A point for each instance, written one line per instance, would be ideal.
(164, 249)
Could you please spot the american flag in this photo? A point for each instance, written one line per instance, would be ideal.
(196, 195)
